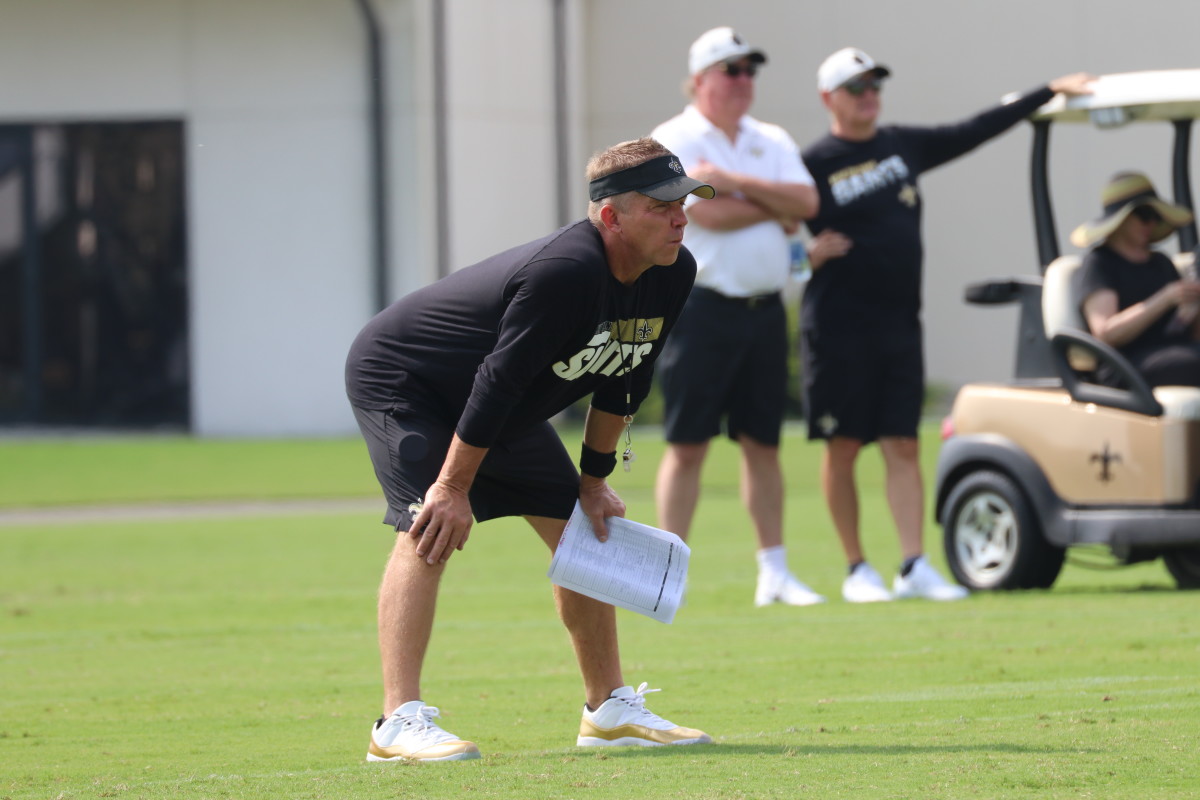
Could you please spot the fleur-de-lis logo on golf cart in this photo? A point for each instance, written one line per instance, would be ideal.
(1106, 457)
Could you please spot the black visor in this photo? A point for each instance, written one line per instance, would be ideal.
(662, 178)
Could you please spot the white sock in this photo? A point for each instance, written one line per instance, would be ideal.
(772, 559)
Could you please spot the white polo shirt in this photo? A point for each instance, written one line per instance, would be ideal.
(755, 259)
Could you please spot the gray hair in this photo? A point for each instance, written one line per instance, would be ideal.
(614, 159)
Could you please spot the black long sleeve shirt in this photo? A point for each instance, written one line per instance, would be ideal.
(869, 193)
(517, 338)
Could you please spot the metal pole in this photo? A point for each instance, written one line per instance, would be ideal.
(561, 140)
(380, 200)
(1181, 178)
(1043, 211)
(441, 165)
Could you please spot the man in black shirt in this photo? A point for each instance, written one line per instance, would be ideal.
(860, 317)
(452, 387)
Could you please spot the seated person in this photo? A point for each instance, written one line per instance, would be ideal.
(1133, 296)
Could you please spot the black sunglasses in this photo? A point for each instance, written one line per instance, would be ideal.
(736, 71)
(1147, 214)
(859, 86)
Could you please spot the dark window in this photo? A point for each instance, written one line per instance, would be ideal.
(93, 275)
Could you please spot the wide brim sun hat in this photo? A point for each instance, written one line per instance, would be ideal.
(1125, 192)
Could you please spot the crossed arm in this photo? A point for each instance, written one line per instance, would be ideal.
(744, 200)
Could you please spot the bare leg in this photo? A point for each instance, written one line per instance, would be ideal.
(407, 599)
(591, 624)
(762, 490)
(841, 492)
(677, 489)
(904, 491)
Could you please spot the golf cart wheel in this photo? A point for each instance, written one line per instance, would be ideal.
(992, 537)
(1184, 566)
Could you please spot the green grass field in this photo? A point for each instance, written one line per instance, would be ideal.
(234, 657)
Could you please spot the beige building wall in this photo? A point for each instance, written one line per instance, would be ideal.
(501, 125)
(274, 97)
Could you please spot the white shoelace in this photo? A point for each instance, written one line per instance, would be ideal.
(422, 724)
(638, 701)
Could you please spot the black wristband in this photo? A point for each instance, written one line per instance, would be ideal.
(598, 465)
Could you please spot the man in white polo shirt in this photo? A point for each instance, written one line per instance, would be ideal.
(726, 361)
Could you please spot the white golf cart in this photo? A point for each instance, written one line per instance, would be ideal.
(1052, 459)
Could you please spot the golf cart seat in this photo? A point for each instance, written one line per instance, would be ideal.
(1082, 352)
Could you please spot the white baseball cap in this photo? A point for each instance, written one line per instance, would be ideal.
(845, 64)
(720, 44)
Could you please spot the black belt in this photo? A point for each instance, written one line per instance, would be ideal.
(752, 302)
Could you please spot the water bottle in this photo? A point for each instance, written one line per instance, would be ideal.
(800, 266)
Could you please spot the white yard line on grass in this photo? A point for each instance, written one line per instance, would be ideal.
(67, 515)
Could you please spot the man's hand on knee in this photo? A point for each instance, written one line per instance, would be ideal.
(443, 525)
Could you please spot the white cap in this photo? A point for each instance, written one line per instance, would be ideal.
(720, 44)
(844, 65)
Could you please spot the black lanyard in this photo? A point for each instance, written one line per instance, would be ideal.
(628, 457)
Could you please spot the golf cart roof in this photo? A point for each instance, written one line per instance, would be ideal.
(1116, 99)
(1169, 97)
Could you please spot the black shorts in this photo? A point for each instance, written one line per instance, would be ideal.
(864, 384)
(528, 474)
(725, 357)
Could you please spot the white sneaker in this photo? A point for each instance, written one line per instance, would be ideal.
(623, 719)
(925, 581)
(410, 734)
(864, 585)
(783, 587)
